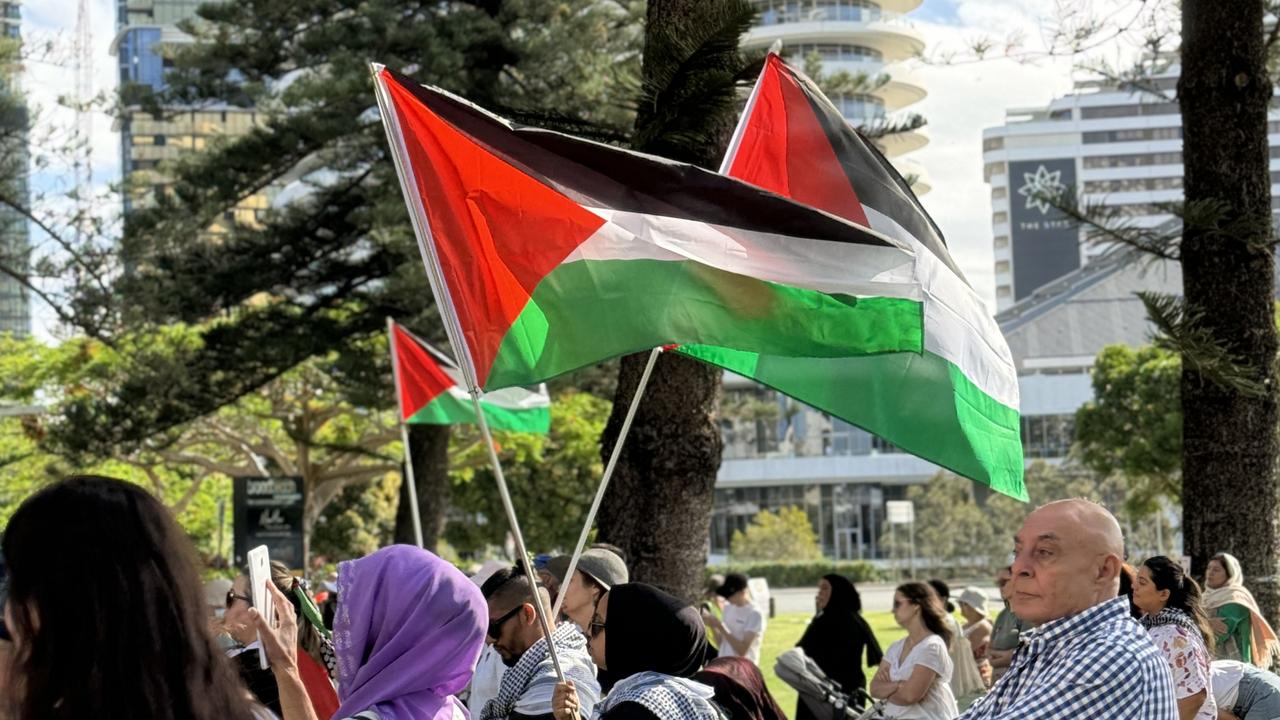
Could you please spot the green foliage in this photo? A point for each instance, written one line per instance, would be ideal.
(552, 479)
(962, 533)
(1133, 425)
(358, 521)
(800, 574)
(782, 535)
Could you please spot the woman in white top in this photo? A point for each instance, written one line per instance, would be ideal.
(915, 674)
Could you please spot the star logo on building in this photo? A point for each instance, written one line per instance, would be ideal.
(1039, 187)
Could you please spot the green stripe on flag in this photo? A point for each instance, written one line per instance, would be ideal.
(902, 398)
(448, 409)
(586, 311)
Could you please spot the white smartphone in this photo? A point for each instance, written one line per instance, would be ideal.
(259, 574)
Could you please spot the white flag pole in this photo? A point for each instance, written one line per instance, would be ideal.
(608, 474)
(435, 275)
(409, 478)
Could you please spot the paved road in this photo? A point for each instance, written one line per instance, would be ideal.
(876, 597)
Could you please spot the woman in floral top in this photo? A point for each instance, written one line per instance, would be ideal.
(1176, 621)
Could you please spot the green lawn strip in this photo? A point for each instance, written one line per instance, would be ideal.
(784, 631)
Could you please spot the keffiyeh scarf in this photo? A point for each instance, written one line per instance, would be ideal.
(668, 697)
(516, 680)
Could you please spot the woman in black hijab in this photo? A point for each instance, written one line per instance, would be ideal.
(651, 644)
(836, 637)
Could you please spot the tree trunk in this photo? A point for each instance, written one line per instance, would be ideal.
(1229, 437)
(429, 445)
(658, 507)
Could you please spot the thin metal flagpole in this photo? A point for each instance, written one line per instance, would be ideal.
(608, 474)
(521, 551)
(453, 328)
(409, 476)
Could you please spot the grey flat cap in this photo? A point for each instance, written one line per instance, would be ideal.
(604, 567)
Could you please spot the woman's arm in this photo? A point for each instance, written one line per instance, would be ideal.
(881, 686)
(1190, 705)
(281, 645)
(914, 688)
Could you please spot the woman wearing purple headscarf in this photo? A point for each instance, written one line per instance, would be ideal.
(407, 634)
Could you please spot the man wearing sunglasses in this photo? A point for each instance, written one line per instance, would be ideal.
(516, 634)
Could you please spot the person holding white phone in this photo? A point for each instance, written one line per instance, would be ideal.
(408, 631)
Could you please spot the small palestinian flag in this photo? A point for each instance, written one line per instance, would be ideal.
(955, 404)
(552, 253)
(432, 393)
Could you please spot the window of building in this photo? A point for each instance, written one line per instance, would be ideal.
(992, 169)
(1048, 436)
(1134, 160)
(999, 193)
(1004, 291)
(1139, 109)
(993, 143)
(13, 31)
(776, 12)
(1001, 241)
(13, 11)
(1002, 266)
(833, 52)
(1064, 114)
(1132, 185)
(859, 107)
(1000, 217)
(1131, 135)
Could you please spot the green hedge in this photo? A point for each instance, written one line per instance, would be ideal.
(802, 574)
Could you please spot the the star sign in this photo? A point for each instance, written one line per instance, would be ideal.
(1039, 187)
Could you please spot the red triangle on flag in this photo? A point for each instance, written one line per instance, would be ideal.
(421, 377)
(785, 149)
(497, 230)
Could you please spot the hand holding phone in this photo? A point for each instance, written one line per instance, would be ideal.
(259, 576)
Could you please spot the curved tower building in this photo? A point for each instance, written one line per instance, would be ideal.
(871, 37)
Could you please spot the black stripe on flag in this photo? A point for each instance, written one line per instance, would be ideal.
(598, 175)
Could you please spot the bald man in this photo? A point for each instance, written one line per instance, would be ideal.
(1085, 657)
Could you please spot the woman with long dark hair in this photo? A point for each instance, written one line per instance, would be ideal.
(107, 613)
(1175, 619)
(837, 637)
(915, 674)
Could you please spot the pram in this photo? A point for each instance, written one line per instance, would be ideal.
(823, 696)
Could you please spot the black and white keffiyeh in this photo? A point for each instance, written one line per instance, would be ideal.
(668, 697)
(533, 664)
(1171, 616)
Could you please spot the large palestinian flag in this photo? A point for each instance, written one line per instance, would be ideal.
(548, 253)
(432, 392)
(955, 404)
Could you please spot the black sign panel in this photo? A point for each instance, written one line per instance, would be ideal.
(268, 511)
(1046, 244)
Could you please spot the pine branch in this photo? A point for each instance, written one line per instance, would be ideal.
(1181, 330)
(1106, 224)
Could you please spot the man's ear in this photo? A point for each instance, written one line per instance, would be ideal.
(1110, 568)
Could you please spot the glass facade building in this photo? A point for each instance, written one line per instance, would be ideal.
(15, 231)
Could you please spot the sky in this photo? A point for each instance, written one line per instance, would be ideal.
(964, 96)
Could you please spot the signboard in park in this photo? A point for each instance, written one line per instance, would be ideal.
(268, 511)
(900, 512)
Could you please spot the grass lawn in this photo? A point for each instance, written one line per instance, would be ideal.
(784, 631)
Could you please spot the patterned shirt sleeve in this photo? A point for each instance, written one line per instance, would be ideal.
(1184, 657)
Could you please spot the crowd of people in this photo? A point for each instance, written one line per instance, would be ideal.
(104, 617)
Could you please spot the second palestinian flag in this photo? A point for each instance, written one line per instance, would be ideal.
(554, 253)
(432, 392)
(956, 403)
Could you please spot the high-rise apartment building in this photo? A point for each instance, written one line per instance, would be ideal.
(1112, 146)
(147, 32)
(868, 37)
(15, 239)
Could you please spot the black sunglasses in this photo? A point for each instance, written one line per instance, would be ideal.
(595, 628)
(232, 597)
(495, 626)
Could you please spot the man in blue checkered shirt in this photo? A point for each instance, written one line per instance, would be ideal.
(1086, 657)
